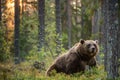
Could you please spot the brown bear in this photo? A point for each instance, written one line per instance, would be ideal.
(76, 58)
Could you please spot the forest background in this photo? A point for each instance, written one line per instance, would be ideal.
(34, 32)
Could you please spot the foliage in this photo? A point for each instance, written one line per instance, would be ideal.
(28, 34)
(76, 27)
(26, 71)
(29, 53)
(5, 48)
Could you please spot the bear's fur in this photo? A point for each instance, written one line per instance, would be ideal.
(75, 60)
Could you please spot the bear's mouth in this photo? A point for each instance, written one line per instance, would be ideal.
(92, 50)
(92, 54)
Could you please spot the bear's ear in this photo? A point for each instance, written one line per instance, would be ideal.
(97, 41)
(82, 41)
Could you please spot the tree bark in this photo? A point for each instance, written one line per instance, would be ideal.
(58, 26)
(16, 31)
(41, 15)
(111, 37)
(69, 15)
(96, 28)
(82, 20)
(0, 11)
(23, 6)
(103, 30)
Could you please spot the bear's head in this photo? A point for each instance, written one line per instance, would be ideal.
(89, 47)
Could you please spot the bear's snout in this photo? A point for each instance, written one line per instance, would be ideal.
(93, 49)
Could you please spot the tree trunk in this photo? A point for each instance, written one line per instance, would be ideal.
(69, 15)
(111, 37)
(16, 31)
(86, 24)
(96, 28)
(41, 14)
(58, 26)
(119, 29)
(82, 20)
(23, 6)
(103, 32)
(0, 11)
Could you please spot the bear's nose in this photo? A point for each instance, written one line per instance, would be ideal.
(93, 49)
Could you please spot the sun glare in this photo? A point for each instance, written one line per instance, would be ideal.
(10, 4)
(10, 12)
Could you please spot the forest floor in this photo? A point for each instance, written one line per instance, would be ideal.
(34, 71)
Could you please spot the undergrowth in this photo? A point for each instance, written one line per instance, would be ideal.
(27, 71)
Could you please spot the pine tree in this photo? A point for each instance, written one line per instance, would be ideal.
(0, 11)
(41, 15)
(69, 15)
(111, 37)
(58, 26)
(16, 31)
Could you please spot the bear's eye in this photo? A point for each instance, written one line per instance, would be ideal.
(94, 45)
(88, 45)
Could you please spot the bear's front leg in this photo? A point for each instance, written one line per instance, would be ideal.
(75, 67)
(92, 62)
